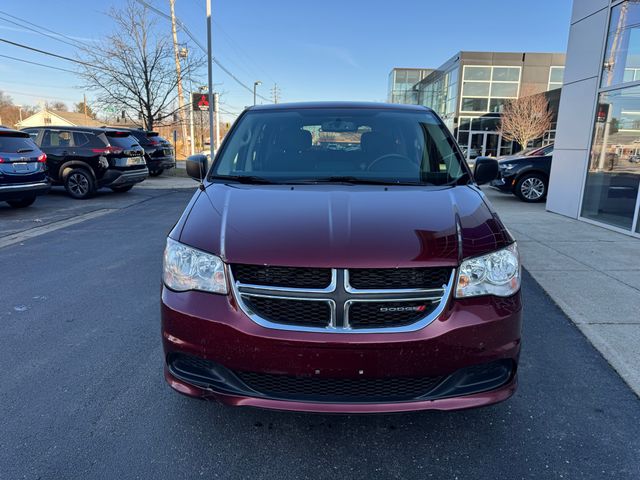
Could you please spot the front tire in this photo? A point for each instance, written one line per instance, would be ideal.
(122, 189)
(79, 184)
(156, 173)
(22, 203)
(532, 187)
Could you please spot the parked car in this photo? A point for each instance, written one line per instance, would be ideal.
(530, 152)
(371, 280)
(158, 151)
(23, 169)
(527, 177)
(84, 159)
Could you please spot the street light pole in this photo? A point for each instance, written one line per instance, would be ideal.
(210, 79)
(255, 85)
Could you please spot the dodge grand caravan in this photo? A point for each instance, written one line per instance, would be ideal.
(339, 257)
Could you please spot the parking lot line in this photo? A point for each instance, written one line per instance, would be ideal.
(37, 231)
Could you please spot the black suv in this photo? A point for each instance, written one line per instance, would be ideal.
(85, 159)
(158, 152)
(23, 171)
(526, 175)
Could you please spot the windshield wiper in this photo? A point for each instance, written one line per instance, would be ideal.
(250, 179)
(354, 180)
(25, 150)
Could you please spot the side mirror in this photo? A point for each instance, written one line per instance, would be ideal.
(197, 167)
(485, 170)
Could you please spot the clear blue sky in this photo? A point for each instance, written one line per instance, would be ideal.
(331, 50)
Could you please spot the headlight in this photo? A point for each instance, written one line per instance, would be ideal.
(496, 273)
(185, 268)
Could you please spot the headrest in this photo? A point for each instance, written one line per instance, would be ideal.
(296, 140)
(378, 143)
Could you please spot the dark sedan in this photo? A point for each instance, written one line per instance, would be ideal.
(23, 169)
(526, 176)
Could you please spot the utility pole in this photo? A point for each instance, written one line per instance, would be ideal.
(275, 93)
(210, 78)
(176, 51)
(216, 113)
(84, 104)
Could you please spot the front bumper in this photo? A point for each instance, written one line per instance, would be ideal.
(505, 182)
(470, 334)
(22, 190)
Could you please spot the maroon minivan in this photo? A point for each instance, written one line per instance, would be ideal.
(339, 257)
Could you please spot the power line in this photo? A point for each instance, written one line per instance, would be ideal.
(51, 54)
(202, 47)
(36, 63)
(39, 29)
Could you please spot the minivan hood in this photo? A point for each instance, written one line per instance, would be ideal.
(343, 225)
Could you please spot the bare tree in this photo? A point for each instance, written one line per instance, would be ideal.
(133, 69)
(57, 106)
(11, 113)
(526, 118)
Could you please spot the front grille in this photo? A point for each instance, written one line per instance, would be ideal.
(341, 300)
(387, 314)
(291, 277)
(290, 312)
(398, 278)
(339, 389)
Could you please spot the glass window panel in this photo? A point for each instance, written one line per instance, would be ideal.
(556, 74)
(489, 123)
(476, 124)
(497, 104)
(504, 90)
(477, 73)
(413, 76)
(506, 74)
(623, 43)
(475, 89)
(474, 104)
(465, 123)
(463, 139)
(611, 188)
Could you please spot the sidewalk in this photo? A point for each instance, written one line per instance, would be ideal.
(592, 273)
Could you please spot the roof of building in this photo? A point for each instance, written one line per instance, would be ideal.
(78, 119)
(74, 118)
(363, 105)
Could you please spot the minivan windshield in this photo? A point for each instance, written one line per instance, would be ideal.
(352, 145)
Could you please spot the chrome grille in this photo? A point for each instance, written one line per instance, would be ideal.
(325, 300)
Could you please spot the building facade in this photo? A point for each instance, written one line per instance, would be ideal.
(596, 165)
(402, 82)
(470, 89)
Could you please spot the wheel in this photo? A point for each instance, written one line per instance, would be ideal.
(122, 189)
(156, 173)
(79, 183)
(531, 187)
(23, 202)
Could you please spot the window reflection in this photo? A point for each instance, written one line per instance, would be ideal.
(611, 190)
(622, 56)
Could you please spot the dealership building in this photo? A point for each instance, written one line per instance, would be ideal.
(470, 89)
(596, 163)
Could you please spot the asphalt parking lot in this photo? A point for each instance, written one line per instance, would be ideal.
(83, 395)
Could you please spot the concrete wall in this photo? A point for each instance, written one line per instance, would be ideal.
(577, 105)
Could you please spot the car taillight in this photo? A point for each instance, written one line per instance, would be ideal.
(42, 158)
(108, 149)
(1, 160)
(155, 143)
